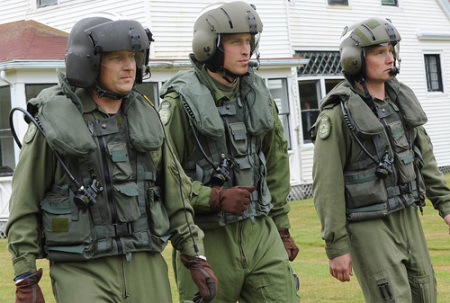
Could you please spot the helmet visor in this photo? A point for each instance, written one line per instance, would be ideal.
(120, 35)
(253, 42)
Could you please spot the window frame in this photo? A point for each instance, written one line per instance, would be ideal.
(394, 4)
(6, 136)
(39, 4)
(338, 2)
(321, 90)
(284, 115)
(429, 73)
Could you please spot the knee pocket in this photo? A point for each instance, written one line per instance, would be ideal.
(279, 291)
(423, 289)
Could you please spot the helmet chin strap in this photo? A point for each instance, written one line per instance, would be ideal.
(109, 94)
(226, 73)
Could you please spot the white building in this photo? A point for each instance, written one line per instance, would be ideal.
(299, 60)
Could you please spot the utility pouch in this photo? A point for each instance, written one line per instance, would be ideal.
(61, 226)
(160, 223)
(125, 199)
(385, 290)
(363, 188)
(405, 165)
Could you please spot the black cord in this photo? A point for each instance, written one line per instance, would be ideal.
(37, 123)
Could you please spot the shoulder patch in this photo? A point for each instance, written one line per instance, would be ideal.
(324, 127)
(329, 106)
(164, 112)
(31, 131)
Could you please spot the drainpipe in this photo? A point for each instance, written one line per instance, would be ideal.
(4, 78)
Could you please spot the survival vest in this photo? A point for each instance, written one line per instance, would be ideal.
(388, 137)
(231, 131)
(128, 215)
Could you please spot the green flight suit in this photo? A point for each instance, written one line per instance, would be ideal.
(247, 256)
(389, 253)
(137, 271)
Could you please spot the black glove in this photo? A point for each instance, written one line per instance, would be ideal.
(28, 290)
(203, 277)
(289, 244)
(232, 200)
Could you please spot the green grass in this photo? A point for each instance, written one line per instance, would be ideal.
(317, 285)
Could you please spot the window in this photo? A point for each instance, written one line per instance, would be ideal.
(389, 2)
(32, 90)
(316, 79)
(309, 105)
(149, 89)
(433, 73)
(342, 2)
(311, 92)
(279, 91)
(7, 163)
(40, 3)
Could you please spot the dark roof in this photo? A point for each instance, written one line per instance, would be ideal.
(31, 40)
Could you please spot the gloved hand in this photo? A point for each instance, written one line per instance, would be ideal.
(232, 200)
(28, 290)
(203, 277)
(289, 244)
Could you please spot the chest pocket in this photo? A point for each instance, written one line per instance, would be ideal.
(238, 138)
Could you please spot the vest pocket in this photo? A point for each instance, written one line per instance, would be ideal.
(363, 188)
(238, 136)
(159, 220)
(125, 198)
(121, 168)
(61, 227)
(398, 135)
(243, 171)
(405, 166)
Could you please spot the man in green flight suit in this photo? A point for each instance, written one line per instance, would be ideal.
(225, 130)
(379, 166)
(100, 194)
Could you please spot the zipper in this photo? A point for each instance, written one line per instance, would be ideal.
(241, 248)
(108, 187)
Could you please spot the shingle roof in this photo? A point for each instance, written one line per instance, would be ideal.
(31, 40)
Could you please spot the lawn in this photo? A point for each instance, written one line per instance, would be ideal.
(317, 285)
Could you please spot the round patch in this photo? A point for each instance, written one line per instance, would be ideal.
(29, 135)
(324, 127)
(164, 112)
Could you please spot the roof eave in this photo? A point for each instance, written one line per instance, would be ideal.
(18, 64)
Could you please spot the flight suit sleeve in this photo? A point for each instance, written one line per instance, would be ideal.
(275, 149)
(437, 190)
(332, 146)
(33, 175)
(180, 136)
(177, 191)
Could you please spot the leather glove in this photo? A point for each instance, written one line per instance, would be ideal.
(28, 290)
(232, 200)
(289, 244)
(203, 277)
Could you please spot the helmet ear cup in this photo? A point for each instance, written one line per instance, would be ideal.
(204, 42)
(82, 70)
(351, 59)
